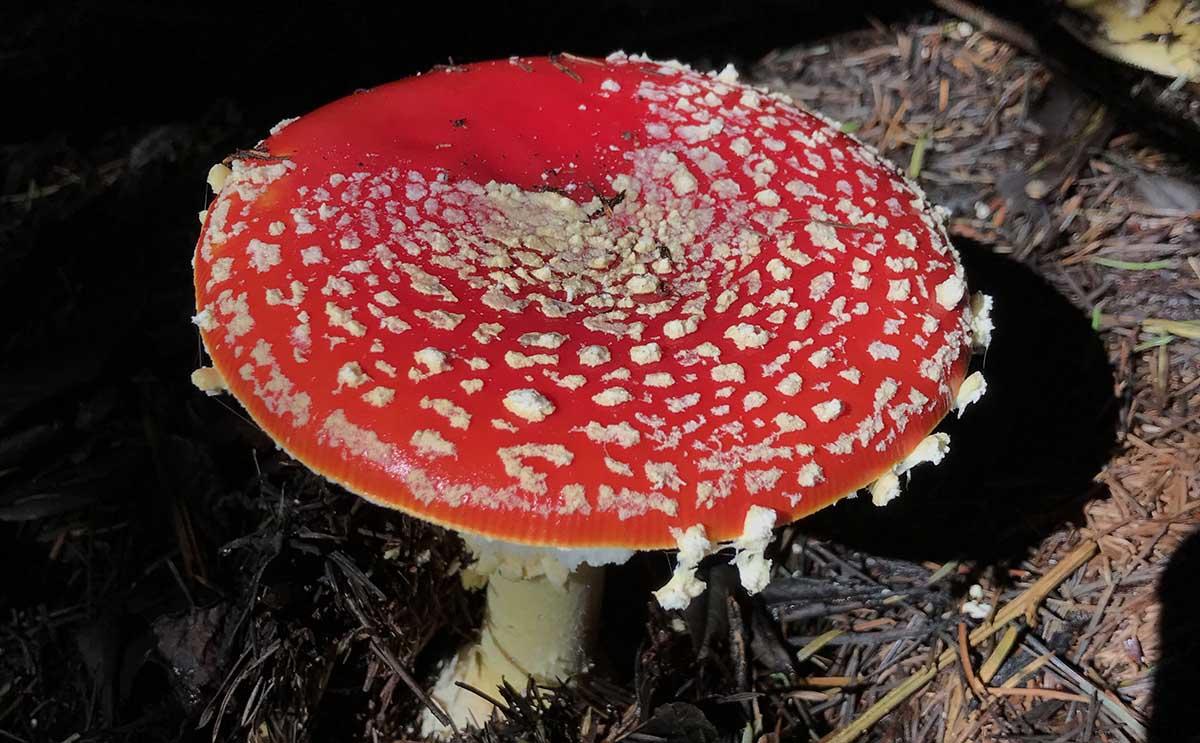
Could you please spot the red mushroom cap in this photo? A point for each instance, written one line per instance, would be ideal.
(577, 303)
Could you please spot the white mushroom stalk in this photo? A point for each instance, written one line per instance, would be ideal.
(538, 628)
(539, 623)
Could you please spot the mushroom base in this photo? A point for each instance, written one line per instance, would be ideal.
(536, 628)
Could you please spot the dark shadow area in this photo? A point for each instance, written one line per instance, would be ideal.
(624, 612)
(1022, 459)
(1177, 678)
(136, 61)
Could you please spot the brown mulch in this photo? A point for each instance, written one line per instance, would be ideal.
(1033, 169)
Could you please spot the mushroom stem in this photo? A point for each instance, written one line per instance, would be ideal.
(536, 627)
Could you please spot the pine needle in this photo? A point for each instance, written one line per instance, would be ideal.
(1132, 265)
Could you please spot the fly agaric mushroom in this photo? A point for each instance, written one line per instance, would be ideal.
(575, 308)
